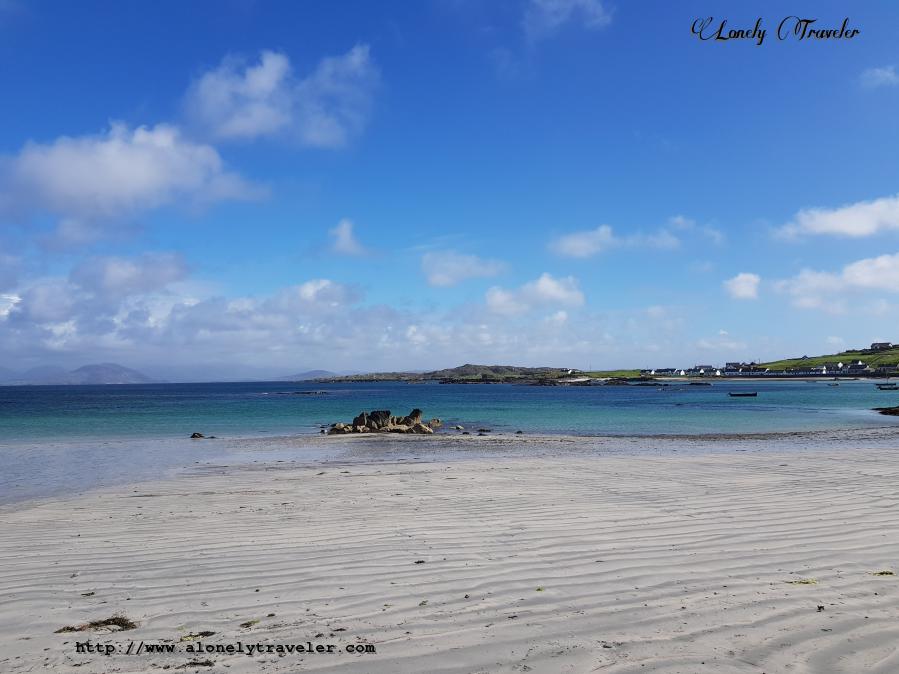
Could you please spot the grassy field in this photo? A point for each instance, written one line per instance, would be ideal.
(881, 358)
(601, 374)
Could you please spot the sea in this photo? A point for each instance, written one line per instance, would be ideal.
(58, 440)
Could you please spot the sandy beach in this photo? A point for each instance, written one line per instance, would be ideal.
(750, 562)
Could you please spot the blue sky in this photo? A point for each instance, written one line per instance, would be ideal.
(256, 188)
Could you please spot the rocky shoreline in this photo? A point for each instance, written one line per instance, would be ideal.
(381, 421)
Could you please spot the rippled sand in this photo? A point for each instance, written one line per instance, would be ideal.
(748, 562)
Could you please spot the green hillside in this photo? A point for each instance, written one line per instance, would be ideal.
(603, 374)
(463, 374)
(875, 359)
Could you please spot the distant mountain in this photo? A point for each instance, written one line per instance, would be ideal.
(107, 373)
(44, 374)
(311, 374)
(102, 373)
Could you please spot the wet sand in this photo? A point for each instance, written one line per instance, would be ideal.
(717, 562)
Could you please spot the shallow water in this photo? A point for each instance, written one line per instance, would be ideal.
(60, 440)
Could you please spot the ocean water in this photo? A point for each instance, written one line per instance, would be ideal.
(38, 413)
(61, 439)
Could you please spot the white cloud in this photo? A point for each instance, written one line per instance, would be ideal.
(544, 18)
(590, 242)
(885, 76)
(722, 346)
(558, 318)
(327, 108)
(345, 241)
(826, 290)
(743, 286)
(863, 218)
(880, 273)
(543, 291)
(450, 268)
(117, 276)
(7, 302)
(116, 173)
(683, 223)
(585, 243)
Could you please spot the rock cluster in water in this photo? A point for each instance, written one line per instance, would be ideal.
(381, 421)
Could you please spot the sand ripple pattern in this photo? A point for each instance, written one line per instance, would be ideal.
(568, 564)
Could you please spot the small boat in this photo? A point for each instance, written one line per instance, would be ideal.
(833, 384)
(888, 387)
(734, 394)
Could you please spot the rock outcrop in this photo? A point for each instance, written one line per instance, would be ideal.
(381, 421)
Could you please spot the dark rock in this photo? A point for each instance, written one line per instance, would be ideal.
(414, 417)
(378, 419)
(197, 435)
(381, 421)
(889, 411)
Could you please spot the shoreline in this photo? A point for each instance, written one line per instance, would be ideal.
(698, 562)
(183, 457)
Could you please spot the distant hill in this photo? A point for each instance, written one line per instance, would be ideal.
(463, 374)
(887, 357)
(310, 374)
(107, 373)
(44, 374)
(102, 373)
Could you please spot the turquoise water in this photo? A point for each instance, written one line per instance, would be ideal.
(30, 414)
(61, 440)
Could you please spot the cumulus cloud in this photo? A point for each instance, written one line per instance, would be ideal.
(885, 76)
(744, 286)
(111, 306)
(588, 243)
(812, 289)
(860, 219)
(544, 18)
(541, 292)
(119, 277)
(449, 268)
(116, 173)
(7, 302)
(241, 101)
(345, 241)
